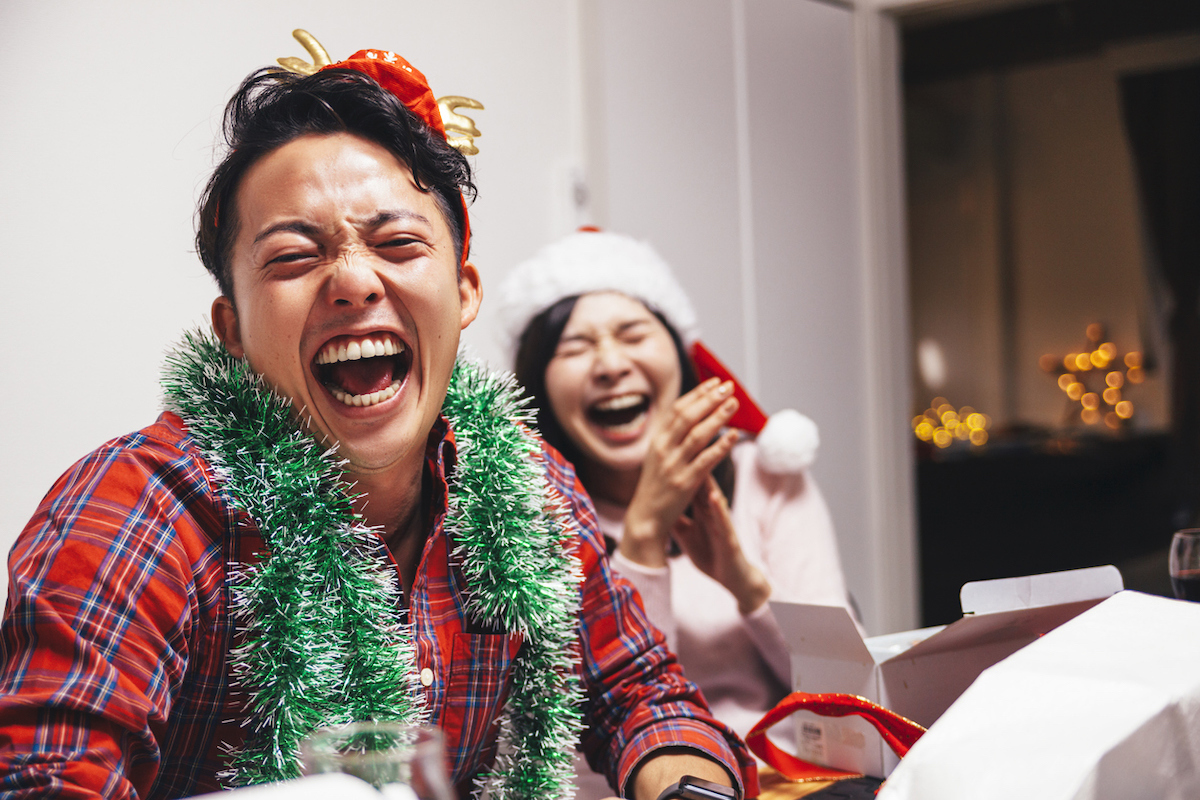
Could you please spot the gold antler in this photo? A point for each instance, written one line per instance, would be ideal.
(320, 58)
(453, 122)
(459, 124)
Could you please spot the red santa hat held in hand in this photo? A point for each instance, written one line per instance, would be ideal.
(598, 261)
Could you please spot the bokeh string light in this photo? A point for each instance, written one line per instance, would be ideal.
(1094, 380)
(942, 425)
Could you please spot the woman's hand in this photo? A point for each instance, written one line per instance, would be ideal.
(679, 461)
(708, 538)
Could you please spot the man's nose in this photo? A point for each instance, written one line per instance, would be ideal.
(355, 282)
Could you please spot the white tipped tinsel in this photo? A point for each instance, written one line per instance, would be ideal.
(321, 646)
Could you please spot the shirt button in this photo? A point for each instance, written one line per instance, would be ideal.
(427, 677)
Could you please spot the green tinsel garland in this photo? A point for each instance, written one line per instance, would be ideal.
(324, 644)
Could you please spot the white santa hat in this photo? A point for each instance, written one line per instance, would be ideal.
(590, 260)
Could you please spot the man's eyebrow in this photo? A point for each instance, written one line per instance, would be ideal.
(384, 217)
(311, 231)
(295, 226)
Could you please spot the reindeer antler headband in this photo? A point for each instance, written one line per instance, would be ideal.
(410, 87)
(401, 79)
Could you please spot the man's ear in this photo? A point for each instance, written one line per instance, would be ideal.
(470, 293)
(225, 323)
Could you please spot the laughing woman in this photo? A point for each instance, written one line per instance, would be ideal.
(705, 523)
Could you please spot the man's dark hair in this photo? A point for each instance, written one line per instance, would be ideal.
(536, 347)
(273, 107)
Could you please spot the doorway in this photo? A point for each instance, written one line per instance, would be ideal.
(1052, 391)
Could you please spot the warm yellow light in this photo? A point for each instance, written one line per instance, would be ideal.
(942, 424)
(978, 437)
(1133, 359)
(1115, 379)
(1090, 415)
(1083, 362)
(1112, 396)
(1075, 390)
(1112, 420)
(1136, 375)
(1124, 409)
(1069, 362)
(1109, 349)
(1065, 380)
(1098, 359)
(1090, 400)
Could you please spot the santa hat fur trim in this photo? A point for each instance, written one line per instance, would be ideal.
(592, 261)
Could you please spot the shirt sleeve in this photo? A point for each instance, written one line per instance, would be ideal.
(93, 639)
(653, 584)
(637, 698)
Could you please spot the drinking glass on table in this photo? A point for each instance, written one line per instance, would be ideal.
(404, 762)
(1184, 564)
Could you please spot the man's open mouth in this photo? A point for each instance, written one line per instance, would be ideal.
(363, 370)
(619, 414)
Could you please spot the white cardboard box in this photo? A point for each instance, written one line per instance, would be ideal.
(918, 674)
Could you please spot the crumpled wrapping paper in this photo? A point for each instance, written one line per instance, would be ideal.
(1105, 707)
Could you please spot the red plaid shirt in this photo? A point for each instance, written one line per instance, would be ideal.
(114, 645)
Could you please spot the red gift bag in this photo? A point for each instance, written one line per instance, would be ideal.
(898, 732)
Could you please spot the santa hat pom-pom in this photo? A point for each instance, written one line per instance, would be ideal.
(788, 443)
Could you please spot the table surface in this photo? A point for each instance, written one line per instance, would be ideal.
(773, 786)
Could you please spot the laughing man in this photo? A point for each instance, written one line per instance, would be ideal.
(334, 519)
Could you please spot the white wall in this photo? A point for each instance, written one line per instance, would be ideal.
(727, 133)
(109, 118)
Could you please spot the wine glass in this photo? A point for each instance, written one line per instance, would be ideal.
(1184, 564)
(404, 762)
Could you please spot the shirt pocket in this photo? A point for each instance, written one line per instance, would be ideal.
(480, 675)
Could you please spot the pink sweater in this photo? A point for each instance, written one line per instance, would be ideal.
(740, 662)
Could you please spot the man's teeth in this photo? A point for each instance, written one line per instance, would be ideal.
(361, 348)
(371, 399)
(618, 403)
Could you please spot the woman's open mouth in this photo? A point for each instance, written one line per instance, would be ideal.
(363, 370)
(619, 415)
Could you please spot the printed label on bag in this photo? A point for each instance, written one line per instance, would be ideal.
(812, 740)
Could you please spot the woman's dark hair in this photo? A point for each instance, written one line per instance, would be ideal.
(273, 107)
(536, 348)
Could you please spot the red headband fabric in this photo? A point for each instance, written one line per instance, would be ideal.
(401, 79)
(410, 87)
